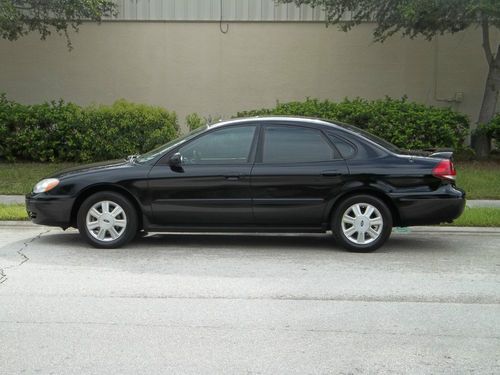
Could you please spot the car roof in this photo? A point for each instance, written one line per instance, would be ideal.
(299, 120)
(277, 119)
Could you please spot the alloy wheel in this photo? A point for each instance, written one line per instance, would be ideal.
(362, 223)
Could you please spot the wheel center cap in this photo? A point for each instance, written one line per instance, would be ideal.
(362, 223)
(106, 221)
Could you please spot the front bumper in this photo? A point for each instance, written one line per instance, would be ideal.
(442, 206)
(49, 210)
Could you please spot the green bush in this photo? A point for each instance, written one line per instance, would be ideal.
(59, 131)
(125, 128)
(491, 129)
(406, 124)
(194, 121)
(42, 132)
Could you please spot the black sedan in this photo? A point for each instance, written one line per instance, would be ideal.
(274, 174)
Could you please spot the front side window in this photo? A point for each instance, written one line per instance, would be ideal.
(289, 144)
(164, 148)
(229, 145)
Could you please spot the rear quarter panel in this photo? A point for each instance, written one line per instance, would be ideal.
(418, 197)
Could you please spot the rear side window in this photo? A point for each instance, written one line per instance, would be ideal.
(290, 144)
(346, 149)
(363, 149)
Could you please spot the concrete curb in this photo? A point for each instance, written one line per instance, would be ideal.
(19, 223)
(450, 229)
(424, 229)
(483, 203)
(12, 199)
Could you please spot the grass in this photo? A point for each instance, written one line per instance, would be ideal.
(480, 180)
(13, 212)
(478, 217)
(19, 178)
(472, 217)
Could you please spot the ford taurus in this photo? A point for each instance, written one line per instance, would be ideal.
(274, 174)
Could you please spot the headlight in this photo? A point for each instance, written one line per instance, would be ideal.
(45, 185)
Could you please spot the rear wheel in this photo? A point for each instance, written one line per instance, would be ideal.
(362, 223)
(107, 220)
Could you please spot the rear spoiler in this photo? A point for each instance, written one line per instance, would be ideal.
(442, 155)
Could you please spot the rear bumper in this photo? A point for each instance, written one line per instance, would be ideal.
(442, 206)
(49, 210)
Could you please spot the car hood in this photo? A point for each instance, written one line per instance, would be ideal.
(92, 168)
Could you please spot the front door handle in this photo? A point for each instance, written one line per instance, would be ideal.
(331, 173)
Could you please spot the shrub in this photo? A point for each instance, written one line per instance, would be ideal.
(465, 154)
(491, 129)
(44, 132)
(8, 112)
(406, 124)
(124, 128)
(59, 131)
(194, 121)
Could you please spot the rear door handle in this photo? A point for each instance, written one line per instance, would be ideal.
(331, 173)
(233, 177)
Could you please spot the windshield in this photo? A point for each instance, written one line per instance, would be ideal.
(381, 142)
(163, 148)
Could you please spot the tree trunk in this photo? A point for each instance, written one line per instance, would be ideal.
(481, 143)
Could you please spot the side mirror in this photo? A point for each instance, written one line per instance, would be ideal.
(175, 161)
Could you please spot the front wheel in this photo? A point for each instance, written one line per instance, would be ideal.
(107, 220)
(362, 223)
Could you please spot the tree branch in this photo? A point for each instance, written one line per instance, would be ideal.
(486, 38)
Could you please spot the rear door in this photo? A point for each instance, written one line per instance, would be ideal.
(297, 172)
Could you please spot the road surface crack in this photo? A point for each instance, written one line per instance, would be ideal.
(22, 254)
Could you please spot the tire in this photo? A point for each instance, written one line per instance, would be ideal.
(352, 230)
(107, 220)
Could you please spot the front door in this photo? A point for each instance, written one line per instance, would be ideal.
(213, 186)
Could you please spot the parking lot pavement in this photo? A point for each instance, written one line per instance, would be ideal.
(268, 304)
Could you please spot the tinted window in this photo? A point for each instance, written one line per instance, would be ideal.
(286, 144)
(364, 150)
(163, 148)
(346, 149)
(230, 145)
(381, 142)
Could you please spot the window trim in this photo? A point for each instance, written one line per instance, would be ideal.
(260, 150)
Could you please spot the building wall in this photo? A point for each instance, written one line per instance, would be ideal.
(214, 10)
(193, 67)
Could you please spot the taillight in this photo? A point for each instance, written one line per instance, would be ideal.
(445, 170)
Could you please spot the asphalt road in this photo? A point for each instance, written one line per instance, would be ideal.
(274, 304)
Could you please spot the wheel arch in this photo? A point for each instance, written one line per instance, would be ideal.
(396, 219)
(87, 192)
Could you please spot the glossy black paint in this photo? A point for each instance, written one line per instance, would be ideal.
(201, 195)
(256, 196)
(296, 194)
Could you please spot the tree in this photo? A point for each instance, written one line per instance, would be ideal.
(20, 17)
(427, 18)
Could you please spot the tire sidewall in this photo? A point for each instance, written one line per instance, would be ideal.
(130, 212)
(337, 223)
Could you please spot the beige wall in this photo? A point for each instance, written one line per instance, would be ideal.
(193, 67)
